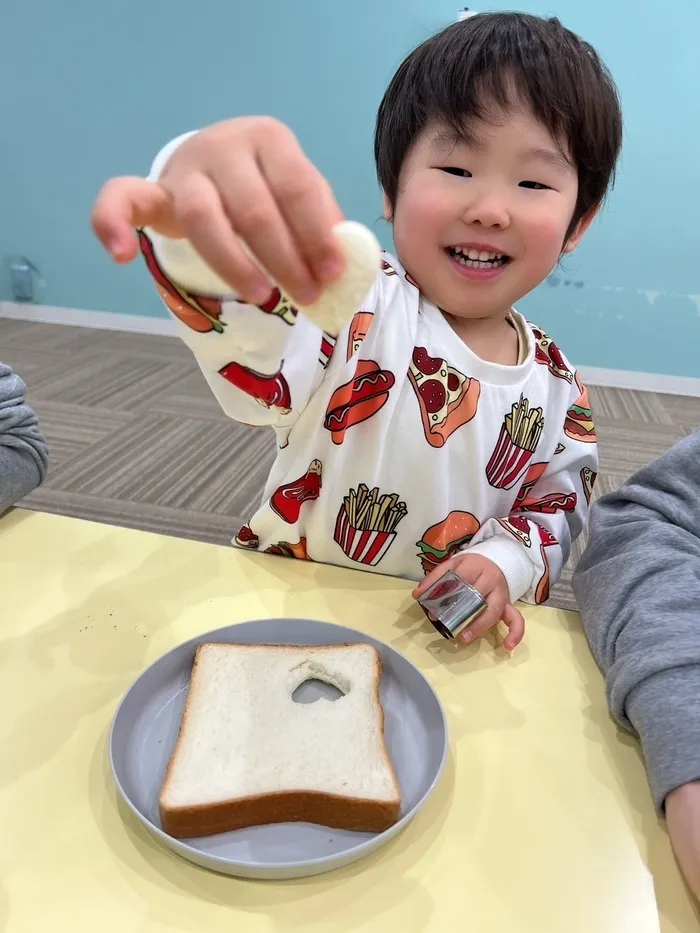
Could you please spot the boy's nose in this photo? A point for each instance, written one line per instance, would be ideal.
(488, 210)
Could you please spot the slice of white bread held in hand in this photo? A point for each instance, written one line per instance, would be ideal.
(342, 298)
(248, 754)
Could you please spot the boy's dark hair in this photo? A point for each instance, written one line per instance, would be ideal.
(497, 60)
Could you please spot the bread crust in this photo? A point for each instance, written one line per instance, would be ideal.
(332, 810)
(352, 813)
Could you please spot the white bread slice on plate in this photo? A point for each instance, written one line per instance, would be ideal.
(247, 754)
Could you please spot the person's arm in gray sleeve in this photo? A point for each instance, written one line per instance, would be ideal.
(638, 590)
(24, 453)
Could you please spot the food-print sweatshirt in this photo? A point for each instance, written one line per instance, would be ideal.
(398, 447)
(638, 589)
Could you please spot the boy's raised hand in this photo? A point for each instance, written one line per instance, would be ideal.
(488, 579)
(244, 178)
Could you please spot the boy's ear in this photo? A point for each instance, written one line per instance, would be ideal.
(388, 212)
(580, 228)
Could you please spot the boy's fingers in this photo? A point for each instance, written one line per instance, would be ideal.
(126, 203)
(469, 576)
(480, 626)
(516, 627)
(250, 204)
(205, 223)
(309, 208)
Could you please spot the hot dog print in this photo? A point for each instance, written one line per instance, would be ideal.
(549, 503)
(357, 400)
(359, 328)
(195, 311)
(268, 391)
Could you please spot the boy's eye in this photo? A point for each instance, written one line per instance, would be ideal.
(452, 170)
(534, 185)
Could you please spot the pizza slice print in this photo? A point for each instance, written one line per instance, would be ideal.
(359, 328)
(548, 354)
(288, 499)
(197, 312)
(387, 269)
(588, 479)
(269, 391)
(359, 399)
(519, 527)
(447, 399)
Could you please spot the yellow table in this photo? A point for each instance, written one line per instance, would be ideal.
(542, 823)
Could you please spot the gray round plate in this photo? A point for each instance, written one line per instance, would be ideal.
(146, 724)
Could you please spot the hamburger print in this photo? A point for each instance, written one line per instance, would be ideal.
(578, 424)
(366, 524)
(520, 434)
(357, 400)
(446, 538)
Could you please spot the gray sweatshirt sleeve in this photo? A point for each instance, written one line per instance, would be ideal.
(638, 590)
(24, 453)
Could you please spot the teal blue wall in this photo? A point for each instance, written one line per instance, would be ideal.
(92, 89)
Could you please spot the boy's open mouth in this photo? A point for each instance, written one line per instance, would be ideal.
(477, 260)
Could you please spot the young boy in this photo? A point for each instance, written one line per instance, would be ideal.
(440, 430)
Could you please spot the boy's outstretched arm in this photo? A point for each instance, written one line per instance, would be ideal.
(243, 178)
(638, 590)
(24, 453)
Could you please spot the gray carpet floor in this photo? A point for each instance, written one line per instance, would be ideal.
(138, 440)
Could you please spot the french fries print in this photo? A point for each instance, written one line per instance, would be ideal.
(519, 437)
(366, 524)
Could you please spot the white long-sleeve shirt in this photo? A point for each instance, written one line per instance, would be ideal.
(398, 446)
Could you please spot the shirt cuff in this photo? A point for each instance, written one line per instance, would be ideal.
(664, 712)
(511, 559)
(177, 258)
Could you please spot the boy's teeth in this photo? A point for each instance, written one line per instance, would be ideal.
(476, 259)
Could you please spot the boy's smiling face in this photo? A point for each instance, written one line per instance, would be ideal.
(509, 195)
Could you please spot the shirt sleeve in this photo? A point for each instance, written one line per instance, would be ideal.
(531, 545)
(638, 591)
(24, 453)
(262, 363)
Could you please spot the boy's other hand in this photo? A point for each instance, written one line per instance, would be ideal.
(488, 579)
(683, 818)
(245, 178)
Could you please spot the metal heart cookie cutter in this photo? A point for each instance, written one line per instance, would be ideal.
(451, 604)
